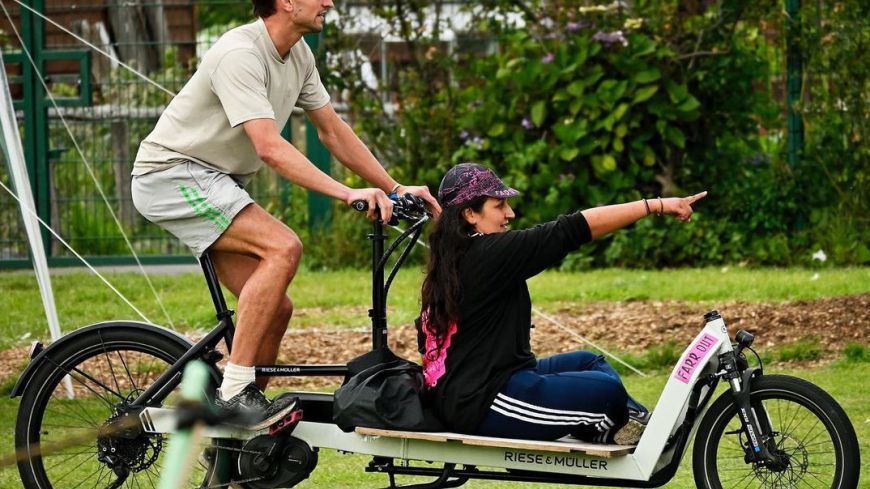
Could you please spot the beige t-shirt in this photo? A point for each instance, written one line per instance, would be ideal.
(242, 77)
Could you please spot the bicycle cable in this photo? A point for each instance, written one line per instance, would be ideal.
(74, 252)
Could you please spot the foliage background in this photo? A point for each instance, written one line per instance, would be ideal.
(575, 103)
(584, 105)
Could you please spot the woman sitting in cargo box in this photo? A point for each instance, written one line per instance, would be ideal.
(473, 331)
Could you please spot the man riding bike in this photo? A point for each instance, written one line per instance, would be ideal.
(190, 173)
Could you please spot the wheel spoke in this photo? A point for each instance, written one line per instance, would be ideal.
(71, 456)
(109, 361)
(83, 374)
(127, 370)
(147, 473)
(107, 374)
(102, 475)
(71, 410)
(801, 430)
(96, 471)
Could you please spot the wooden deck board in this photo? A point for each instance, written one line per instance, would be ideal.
(564, 445)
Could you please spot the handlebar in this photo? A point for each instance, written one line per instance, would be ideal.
(408, 207)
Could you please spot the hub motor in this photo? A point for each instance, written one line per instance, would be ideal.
(124, 447)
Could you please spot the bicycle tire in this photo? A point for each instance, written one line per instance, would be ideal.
(809, 425)
(56, 436)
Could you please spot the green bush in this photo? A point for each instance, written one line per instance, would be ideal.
(600, 104)
(804, 349)
(856, 352)
(574, 119)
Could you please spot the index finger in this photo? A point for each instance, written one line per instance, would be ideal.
(694, 198)
(433, 204)
(386, 207)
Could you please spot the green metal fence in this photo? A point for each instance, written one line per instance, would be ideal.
(108, 110)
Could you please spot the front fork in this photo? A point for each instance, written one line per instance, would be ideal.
(761, 445)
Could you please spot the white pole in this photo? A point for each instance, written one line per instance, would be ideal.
(11, 142)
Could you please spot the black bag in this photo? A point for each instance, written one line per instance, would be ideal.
(383, 391)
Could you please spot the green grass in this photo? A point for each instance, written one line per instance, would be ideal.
(341, 298)
(700, 284)
(846, 380)
(804, 349)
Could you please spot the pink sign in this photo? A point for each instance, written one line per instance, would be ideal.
(699, 350)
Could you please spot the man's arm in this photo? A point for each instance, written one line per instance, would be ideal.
(344, 144)
(285, 159)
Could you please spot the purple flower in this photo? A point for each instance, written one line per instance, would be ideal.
(476, 141)
(463, 135)
(610, 38)
(573, 26)
(548, 58)
(758, 159)
(527, 124)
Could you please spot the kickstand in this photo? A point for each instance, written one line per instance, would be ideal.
(443, 481)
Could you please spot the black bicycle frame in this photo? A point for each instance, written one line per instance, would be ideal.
(205, 348)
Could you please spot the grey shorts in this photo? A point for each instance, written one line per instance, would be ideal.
(191, 201)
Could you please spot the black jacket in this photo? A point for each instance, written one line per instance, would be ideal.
(491, 341)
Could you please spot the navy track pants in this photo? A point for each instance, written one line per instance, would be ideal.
(576, 393)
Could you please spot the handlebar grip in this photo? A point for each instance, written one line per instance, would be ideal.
(360, 205)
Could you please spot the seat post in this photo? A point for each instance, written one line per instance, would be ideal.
(214, 287)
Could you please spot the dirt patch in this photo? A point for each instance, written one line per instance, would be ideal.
(622, 326)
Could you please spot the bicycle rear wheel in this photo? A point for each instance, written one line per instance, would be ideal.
(83, 440)
(811, 432)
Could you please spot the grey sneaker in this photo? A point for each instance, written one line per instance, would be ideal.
(257, 411)
(630, 433)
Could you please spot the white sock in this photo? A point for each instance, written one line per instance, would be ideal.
(236, 377)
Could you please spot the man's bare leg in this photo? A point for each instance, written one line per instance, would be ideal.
(261, 284)
(234, 270)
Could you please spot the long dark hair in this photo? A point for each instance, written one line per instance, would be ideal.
(442, 289)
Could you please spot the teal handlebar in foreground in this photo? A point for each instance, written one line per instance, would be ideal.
(180, 456)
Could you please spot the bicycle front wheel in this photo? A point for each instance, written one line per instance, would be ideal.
(78, 441)
(811, 432)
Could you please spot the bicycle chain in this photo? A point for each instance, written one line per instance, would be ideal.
(253, 479)
(240, 450)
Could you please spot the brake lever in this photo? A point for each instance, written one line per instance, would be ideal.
(412, 207)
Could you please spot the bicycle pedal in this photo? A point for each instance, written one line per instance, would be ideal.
(286, 423)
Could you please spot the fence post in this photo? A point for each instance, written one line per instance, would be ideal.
(319, 206)
(121, 165)
(36, 116)
(283, 183)
(794, 74)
